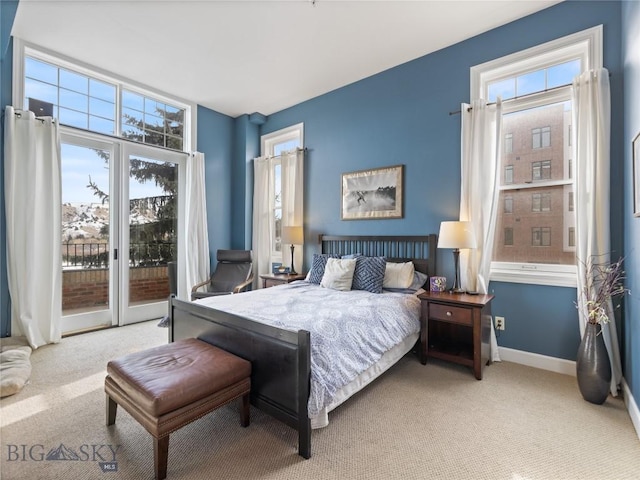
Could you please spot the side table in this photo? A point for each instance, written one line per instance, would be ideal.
(456, 327)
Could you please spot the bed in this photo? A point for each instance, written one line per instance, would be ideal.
(283, 383)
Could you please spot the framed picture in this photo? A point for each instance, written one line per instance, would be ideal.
(635, 147)
(375, 193)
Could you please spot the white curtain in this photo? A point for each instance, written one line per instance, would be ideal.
(292, 175)
(480, 144)
(197, 262)
(591, 120)
(292, 163)
(34, 229)
(262, 225)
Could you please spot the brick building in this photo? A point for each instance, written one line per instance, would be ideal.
(536, 221)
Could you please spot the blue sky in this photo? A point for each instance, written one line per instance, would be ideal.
(78, 163)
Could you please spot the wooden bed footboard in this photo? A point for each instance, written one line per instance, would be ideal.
(280, 360)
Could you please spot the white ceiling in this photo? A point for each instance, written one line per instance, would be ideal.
(239, 57)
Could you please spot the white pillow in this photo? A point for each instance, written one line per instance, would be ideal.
(398, 275)
(338, 274)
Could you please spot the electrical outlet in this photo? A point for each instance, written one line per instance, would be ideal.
(499, 323)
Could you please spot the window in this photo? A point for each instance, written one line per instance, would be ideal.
(508, 236)
(78, 100)
(572, 236)
(508, 174)
(541, 202)
(508, 143)
(508, 204)
(273, 145)
(541, 236)
(571, 201)
(570, 169)
(85, 99)
(535, 87)
(147, 120)
(541, 170)
(133, 190)
(541, 137)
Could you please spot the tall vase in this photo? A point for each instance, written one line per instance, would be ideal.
(593, 366)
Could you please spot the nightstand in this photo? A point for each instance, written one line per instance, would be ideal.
(272, 279)
(456, 327)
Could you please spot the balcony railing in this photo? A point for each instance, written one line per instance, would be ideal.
(96, 255)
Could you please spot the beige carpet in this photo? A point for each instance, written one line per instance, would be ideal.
(416, 422)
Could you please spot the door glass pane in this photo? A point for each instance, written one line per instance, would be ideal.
(152, 228)
(85, 229)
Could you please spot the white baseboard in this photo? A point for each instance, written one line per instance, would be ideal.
(567, 367)
(553, 364)
(632, 406)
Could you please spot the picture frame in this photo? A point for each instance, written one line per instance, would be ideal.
(372, 194)
(635, 148)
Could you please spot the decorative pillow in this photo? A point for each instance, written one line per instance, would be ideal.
(419, 279)
(317, 267)
(15, 369)
(338, 273)
(369, 274)
(398, 275)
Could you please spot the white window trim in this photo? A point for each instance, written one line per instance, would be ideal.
(267, 142)
(586, 44)
(22, 48)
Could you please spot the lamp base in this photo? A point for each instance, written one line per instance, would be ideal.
(292, 270)
(458, 290)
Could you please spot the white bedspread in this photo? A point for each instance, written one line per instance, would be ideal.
(350, 331)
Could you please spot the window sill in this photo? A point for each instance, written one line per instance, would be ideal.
(538, 277)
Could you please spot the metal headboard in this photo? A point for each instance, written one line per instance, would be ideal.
(421, 249)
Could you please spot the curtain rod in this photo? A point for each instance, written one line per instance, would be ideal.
(18, 113)
(519, 96)
(297, 149)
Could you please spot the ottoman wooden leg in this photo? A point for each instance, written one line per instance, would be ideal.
(244, 411)
(112, 408)
(160, 456)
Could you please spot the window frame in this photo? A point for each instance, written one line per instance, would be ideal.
(586, 45)
(268, 143)
(21, 49)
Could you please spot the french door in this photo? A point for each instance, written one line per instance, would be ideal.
(121, 210)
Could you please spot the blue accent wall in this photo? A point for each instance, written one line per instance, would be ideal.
(246, 147)
(401, 116)
(631, 323)
(7, 14)
(215, 139)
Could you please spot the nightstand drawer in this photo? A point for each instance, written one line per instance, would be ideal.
(448, 313)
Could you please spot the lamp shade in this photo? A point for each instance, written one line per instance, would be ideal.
(292, 235)
(456, 235)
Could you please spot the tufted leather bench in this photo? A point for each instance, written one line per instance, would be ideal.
(167, 387)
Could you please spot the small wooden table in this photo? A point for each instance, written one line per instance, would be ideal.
(456, 327)
(272, 279)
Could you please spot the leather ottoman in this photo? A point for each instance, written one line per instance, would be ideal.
(167, 387)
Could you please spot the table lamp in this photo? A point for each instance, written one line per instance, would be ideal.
(294, 236)
(456, 235)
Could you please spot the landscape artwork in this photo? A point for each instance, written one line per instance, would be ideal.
(368, 194)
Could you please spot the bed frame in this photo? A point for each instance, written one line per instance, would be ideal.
(281, 359)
